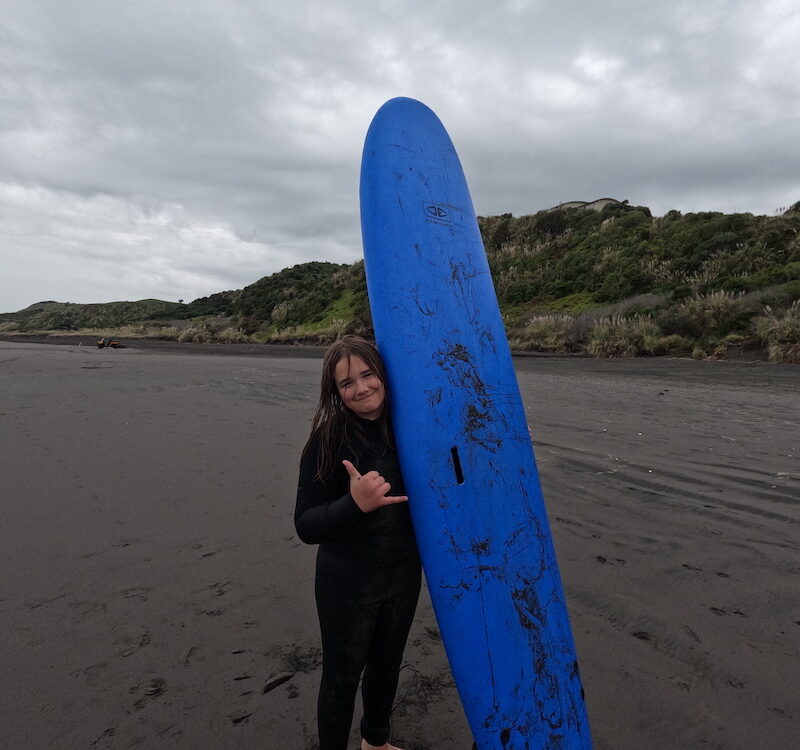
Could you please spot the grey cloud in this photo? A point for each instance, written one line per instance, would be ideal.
(245, 121)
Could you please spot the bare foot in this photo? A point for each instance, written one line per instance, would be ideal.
(366, 746)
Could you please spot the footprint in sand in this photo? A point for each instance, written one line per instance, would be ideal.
(130, 646)
(108, 733)
(276, 680)
(423, 649)
(210, 612)
(87, 608)
(720, 611)
(125, 542)
(137, 592)
(189, 654)
(197, 547)
(148, 690)
(300, 659)
(433, 633)
(606, 561)
(219, 588)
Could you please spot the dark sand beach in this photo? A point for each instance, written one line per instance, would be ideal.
(154, 593)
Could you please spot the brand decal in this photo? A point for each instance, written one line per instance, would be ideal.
(437, 213)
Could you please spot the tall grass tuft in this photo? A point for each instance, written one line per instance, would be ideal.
(616, 336)
(196, 335)
(232, 336)
(780, 331)
(546, 333)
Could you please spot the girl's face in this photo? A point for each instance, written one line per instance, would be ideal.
(359, 386)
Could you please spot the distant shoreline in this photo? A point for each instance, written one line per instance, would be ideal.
(254, 349)
(166, 346)
(309, 351)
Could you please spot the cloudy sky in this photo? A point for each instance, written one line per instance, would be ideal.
(177, 148)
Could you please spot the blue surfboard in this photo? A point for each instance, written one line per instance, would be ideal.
(463, 441)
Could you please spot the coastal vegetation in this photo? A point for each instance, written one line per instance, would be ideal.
(612, 283)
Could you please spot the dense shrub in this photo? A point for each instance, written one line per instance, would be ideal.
(704, 315)
(677, 346)
(780, 331)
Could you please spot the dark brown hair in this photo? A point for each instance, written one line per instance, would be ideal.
(333, 422)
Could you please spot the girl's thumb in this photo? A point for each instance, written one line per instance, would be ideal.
(351, 470)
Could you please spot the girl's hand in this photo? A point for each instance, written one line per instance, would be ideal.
(369, 491)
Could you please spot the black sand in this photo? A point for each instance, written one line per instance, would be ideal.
(153, 587)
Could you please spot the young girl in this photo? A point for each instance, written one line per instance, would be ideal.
(350, 501)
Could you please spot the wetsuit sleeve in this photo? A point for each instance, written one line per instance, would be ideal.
(325, 511)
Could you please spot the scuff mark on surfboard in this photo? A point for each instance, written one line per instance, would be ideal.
(454, 544)
(481, 546)
(475, 421)
(461, 281)
(421, 306)
(533, 617)
(478, 417)
(456, 360)
(434, 397)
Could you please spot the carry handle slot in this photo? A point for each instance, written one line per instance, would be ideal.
(457, 465)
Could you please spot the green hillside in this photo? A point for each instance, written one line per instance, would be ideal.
(66, 316)
(620, 282)
(621, 251)
(616, 282)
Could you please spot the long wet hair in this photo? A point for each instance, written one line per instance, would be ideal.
(333, 423)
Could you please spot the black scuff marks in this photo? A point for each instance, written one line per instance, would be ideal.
(480, 412)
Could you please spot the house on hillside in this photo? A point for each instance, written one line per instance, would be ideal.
(596, 205)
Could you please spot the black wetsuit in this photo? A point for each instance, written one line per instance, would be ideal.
(367, 584)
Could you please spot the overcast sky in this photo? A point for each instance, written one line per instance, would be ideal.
(177, 148)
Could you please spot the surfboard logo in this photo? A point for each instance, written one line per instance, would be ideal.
(437, 213)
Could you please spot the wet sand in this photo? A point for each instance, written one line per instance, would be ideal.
(154, 593)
